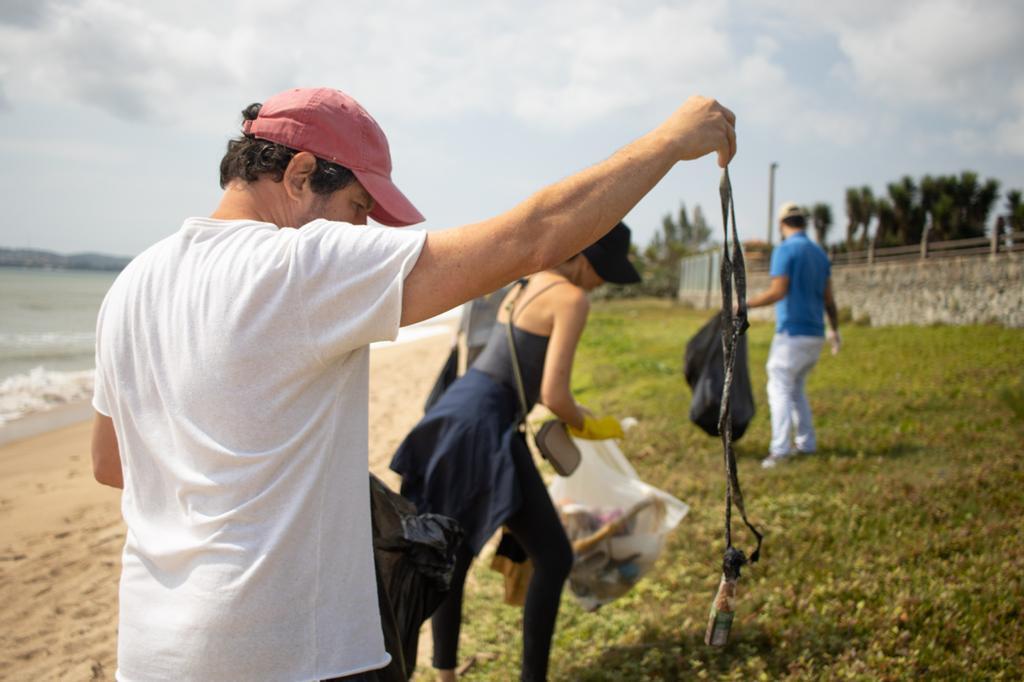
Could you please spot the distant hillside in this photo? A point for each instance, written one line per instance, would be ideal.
(31, 258)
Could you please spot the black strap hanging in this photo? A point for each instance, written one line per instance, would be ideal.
(735, 324)
(510, 308)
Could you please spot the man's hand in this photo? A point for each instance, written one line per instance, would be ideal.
(833, 337)
(702, 126)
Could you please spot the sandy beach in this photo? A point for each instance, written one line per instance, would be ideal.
(61, 533)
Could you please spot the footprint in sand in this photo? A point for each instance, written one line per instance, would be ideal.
(85, 613)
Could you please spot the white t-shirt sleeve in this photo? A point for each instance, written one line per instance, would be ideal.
(351, 280)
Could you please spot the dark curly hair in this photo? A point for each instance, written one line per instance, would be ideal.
(248, 157)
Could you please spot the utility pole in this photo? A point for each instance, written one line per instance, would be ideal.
(771, 199)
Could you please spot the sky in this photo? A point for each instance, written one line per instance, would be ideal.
(114, 114)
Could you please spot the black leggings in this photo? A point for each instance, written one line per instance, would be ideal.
(537, 528)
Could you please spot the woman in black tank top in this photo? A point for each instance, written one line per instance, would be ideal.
(467, 459)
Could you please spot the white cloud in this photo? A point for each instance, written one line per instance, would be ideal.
(621, 59)
(113, 56)
(771, 99)
(64, 149)
(23, 12)
(552, 65)
(944, 51)
(959, 60)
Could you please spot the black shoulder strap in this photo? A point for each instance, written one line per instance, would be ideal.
(510, 307)
(532, 298)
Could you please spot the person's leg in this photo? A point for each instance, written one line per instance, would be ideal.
(538, 529)
(447, 619)
(809, 351)
(780, 395)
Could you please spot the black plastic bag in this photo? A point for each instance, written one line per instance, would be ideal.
(414, 556)
(475, 325)
(449, 373)
(703, 366)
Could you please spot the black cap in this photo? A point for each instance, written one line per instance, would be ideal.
(609, 256)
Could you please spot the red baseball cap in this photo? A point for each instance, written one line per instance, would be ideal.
(332, 126)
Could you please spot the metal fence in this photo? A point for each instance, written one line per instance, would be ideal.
(698, 278)
(698, 275)
(979, 246)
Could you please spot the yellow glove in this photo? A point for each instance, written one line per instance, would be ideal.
(598, 428)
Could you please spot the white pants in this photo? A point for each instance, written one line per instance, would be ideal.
(790, 360)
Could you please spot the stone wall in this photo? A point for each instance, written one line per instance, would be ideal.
(962, 290)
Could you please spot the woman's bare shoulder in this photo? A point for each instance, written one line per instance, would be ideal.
(569, 299)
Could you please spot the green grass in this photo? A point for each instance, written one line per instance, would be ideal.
(894, 553)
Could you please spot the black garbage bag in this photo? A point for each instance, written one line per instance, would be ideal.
(449, 373)
(703, 366)
(475, 325)
(414, 556)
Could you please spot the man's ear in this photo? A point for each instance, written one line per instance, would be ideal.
(297, 175)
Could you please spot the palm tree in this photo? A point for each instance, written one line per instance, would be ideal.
(821, 215)
(982, 205)
(942, 215)
(930, 192)
(887, 225)
(854, 215)
(964, 190)
(909, 215)
(939, 200)
(1014, 211)
(868, 210)
(973, 202)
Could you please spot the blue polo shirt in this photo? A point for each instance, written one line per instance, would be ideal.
(801, 312)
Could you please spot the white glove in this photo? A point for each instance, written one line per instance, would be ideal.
(833, 337)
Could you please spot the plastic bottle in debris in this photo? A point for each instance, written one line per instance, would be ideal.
(722, 610)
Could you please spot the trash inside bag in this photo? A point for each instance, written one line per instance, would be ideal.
(616, 523)
(414, 556)
(704, 369)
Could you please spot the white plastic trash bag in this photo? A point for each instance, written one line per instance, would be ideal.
(616, 522)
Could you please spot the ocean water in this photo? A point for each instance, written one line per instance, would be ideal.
(48, 337)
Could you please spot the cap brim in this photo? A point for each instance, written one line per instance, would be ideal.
(621, 272)
(614, 269)
(391, 208)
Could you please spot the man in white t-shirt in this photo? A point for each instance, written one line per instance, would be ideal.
(232, 380)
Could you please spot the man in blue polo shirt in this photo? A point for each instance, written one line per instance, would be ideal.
(801, 289)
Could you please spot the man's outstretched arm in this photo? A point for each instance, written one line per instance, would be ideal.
(559, 221)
